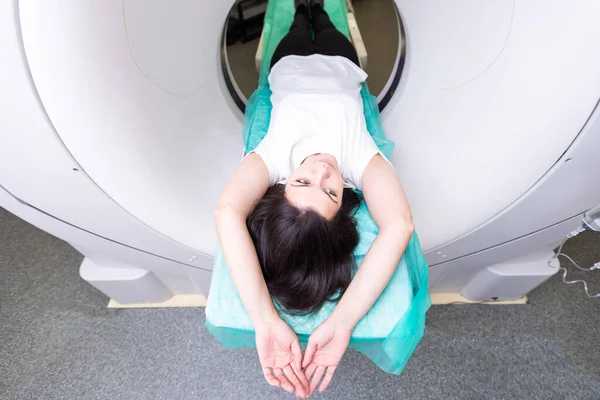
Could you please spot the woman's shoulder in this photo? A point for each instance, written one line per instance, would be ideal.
(271, 157)
(359, 159)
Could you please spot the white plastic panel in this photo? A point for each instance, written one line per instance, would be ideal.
(177, 277)
(452, 276)
(162, 148)
(566, 190)
(36, 167)
(485, 108)
(468, 148)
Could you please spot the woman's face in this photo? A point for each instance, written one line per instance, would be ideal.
(317, 184)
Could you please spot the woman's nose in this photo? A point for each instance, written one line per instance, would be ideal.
(323, 172)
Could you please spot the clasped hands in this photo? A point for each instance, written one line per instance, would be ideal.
(283, 363)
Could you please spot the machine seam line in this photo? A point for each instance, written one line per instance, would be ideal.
(507, 241)
(495, 59)
(140, 68)
(100, 236)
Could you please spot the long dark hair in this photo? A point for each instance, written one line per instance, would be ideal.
(305, 259)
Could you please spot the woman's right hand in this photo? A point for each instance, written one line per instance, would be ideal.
(280, 356)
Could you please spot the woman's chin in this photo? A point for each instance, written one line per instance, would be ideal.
(327, 159)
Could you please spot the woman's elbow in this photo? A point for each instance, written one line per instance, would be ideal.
(403, 227)
(225, 211)
(408, 227)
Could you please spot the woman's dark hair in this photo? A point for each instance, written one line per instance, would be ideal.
(305, 259)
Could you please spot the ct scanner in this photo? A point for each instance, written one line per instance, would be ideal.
(118, 134)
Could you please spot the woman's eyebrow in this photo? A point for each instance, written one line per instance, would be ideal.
(307, 185)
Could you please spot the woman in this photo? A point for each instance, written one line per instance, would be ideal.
(285, 218)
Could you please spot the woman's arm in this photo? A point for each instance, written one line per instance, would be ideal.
(389, 208)
(390, 211)
(276, 343)
(246, 187)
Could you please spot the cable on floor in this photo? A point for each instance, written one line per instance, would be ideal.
(564, 271)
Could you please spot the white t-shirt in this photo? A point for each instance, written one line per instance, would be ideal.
(317, 108)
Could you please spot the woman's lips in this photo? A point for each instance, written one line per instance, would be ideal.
(329, 160)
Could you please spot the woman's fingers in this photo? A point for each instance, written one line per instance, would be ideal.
(297, 369)
(283, 381)
(309, 371)
(311, 348)
(301, 388)
(297, 353)
(327, 379)
(271, 380)
(316, 378)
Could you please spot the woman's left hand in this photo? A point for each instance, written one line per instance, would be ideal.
(326, 347)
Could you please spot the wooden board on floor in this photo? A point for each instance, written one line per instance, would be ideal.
(177, 301)
(457, 298)
(198, 300)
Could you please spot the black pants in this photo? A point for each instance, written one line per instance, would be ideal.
(328, 40)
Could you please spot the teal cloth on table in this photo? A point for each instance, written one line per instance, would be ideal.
(391, 330)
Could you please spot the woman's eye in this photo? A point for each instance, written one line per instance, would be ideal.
(331, 192)
(302, 181)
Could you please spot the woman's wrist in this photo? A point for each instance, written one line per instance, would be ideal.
(265, 316)
(342, 320)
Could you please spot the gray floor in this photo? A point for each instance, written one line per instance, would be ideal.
(58, 341)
